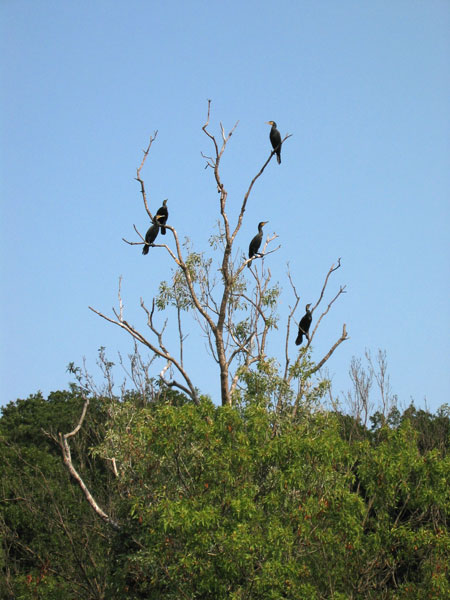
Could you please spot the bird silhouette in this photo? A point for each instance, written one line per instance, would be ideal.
(304, 325)
(256, 241)
(275, 139)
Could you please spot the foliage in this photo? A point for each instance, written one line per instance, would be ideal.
(224, 502)
(244, 503)
(52, 546)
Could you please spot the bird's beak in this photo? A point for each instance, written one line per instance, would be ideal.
(269, 122)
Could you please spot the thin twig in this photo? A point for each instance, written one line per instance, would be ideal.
(138, 173)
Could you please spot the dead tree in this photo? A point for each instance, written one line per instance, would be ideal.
(235, 322)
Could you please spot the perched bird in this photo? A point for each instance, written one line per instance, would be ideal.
(162, 214)
(275, 139)
(150, 237)
(256, 241)
(304, 326)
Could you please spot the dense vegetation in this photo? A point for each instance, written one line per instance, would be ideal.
(223, 502)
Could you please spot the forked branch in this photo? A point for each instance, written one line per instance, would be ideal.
(67, 458)
(160, 350)
(288, 374)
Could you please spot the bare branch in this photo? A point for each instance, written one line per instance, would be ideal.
(138, 173)
(80, 422)
(331, 270)
(160, 351)
(341, 291)
(247, 194)
(258, 255)
(288, 327)
(320, 364)
(67, 458)
(135, 243)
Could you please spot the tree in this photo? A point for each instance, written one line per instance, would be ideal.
(236, 322)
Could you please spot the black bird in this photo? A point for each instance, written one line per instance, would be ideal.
(150, 237)
(256, 242)
(275, 140)
(162, 214)
(304, 326)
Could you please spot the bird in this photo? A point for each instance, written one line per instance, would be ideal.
(303, 328)
(150, 237)
(256, 242)
(162, 214)
(275, 140)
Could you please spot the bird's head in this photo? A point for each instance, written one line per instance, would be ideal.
(165, 202)
(307, 307)
(271, 123)
(262, 223)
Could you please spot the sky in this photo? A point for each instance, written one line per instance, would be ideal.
(363, 88)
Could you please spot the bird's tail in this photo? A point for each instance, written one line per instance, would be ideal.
(145, 249)
(299, 339)
(279, 159)
(163, 231)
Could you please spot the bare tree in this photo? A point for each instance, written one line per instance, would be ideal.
(379, 371)
(235, 322)
(360, 400)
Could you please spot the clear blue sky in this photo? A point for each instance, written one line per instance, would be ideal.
(363, 87)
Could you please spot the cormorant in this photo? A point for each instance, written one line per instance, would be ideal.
(150, 237)
(304, 326)
(275, 139)
(162, 214)
(256, 241)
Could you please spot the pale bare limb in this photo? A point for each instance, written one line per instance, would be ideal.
(164, 369)
(138, 174)
(287, 359)
(247, 194)
(67, 458)
(160, 351)
(341, 291)
(320, 364)
(135, 243)
(324, 287)
(258, 255)
(261, 254)
(304, 381)
(181, 337)
(114, 464)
